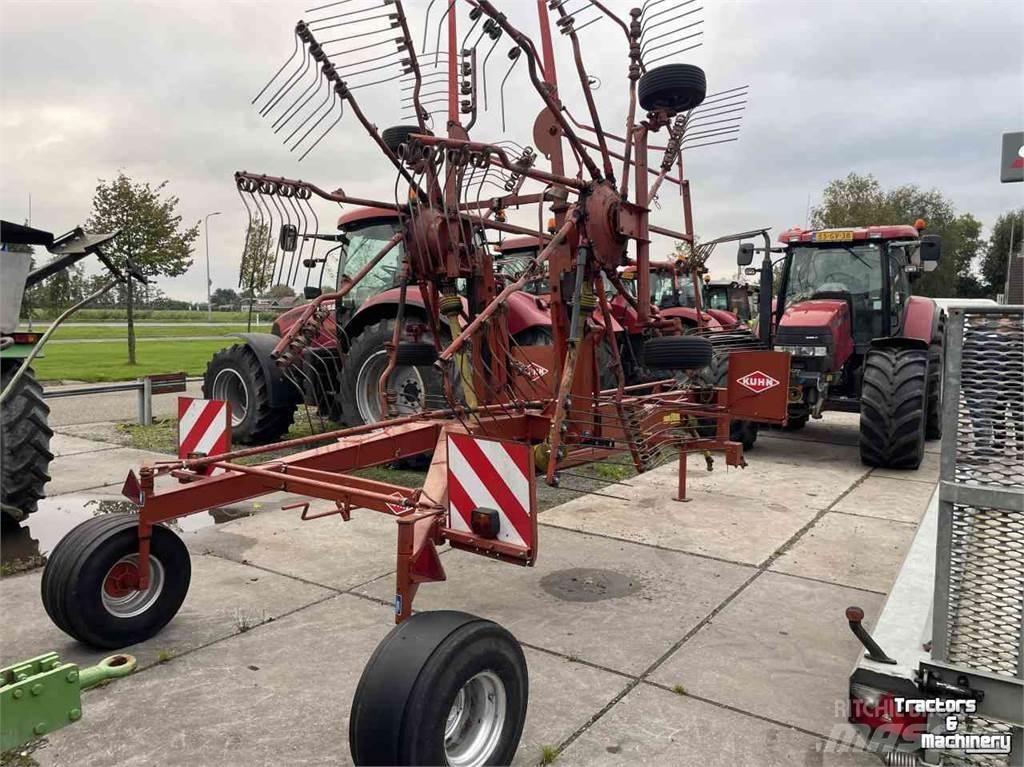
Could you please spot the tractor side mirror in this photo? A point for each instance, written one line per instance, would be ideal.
(745, 255)
(931, 250)
(311, 291)
(288, 238)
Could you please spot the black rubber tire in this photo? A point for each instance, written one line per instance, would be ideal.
(936, 363)
(26, 443)
(74, 577)
(795, 424)
(416, 353)
(677, 353)
(363, 346)
(892, 407)
(411, 680)
(674, 87)
(263, 423)
(397, 135)
(717, 374)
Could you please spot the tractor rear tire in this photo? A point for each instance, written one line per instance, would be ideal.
(235, 374)
(936, 363)
(795, 423)
(86, 587)
(677, 353)
(443, 687)
(397, 135)
(26, 443)
(894, 398)
(674, 87)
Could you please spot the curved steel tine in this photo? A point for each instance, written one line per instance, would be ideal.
(514, 55)
(330, 109)
(290, 83)
(391, 16)
(670, 43)
(645, 20)
(330, 96)
(671, 32)
(437, 42)
(248, 236)
(277, 74)
(288, 206)
(286, 116)
(672, 53)
(426, 24)
(278, 260)
(483, 68)
(328, 5)
(316, 228)
(341, 113)
(711, 143)
(368, 9)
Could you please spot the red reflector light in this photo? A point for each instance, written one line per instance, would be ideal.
(485, 522)
(26, 338)
(877, 710)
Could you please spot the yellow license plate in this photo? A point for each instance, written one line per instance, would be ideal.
(838, 235)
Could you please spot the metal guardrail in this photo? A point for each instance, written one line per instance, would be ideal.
(166, 383)
(978, 610)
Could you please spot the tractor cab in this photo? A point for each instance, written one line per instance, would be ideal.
(843, 309)
(729, 296)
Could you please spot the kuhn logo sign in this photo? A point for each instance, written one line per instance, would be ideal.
(757, 382)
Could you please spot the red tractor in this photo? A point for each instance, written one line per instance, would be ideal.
(860, 342)
(347, 358)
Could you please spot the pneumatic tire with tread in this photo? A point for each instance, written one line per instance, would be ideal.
(406, 692)
(936, 363)
(397, 135)
(677, 353)
(262, 422)
(25, 435)
(675, 87)
(77, 572)
(893, 406)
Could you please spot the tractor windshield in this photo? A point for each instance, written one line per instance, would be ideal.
(665, 295)
(364, 243)
(837, 271)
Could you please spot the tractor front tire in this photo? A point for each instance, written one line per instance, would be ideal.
(717, 374)
(894, 398)
(235, 374)
(26, 443)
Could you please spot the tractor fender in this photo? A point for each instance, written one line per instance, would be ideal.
(282, 392)
(921, 319)
(899, 342)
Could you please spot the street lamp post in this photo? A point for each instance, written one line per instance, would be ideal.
(209, 284)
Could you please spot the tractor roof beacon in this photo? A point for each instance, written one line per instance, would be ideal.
(859, 340)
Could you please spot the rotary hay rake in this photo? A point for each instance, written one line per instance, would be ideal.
(446, 687)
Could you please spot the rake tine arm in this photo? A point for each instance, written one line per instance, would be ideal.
(550, 99)
(566, 22)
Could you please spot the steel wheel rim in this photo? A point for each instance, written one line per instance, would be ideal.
(406, 382)
(229, 386)
(476, 721)
(122, 601)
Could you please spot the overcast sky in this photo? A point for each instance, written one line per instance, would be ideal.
(911, 92)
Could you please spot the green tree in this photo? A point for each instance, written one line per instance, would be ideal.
(257, 270)
(861, 201)
(150, 234)
(994, 262)
(224, 297)
(281, 291)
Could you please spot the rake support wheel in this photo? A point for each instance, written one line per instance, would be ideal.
(397, 135)
(672, 87)
(677, 353)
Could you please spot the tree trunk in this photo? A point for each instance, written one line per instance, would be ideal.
(129, 306)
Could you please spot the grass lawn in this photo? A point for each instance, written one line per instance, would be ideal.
(109, 361)
(72, 332)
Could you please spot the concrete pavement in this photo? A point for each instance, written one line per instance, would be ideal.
(657, 632)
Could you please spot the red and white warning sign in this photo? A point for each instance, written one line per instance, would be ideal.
(757, 382)
(494, 474)
(204, 427)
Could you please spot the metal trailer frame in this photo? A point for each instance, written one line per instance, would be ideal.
(981, 524)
